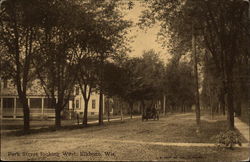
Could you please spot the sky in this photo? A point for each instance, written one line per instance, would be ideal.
(144, 39)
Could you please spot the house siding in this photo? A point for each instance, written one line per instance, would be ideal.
(37, 101)
(35, 96)
(91, 111)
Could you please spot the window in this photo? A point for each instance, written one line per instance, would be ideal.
(77, 104)
(77, 90)
(93, 104)
(8, 103)
(5, 83)
(35, 103)
(48, 103)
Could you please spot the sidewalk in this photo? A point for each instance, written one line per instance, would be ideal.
(180, 144)
(110, 120)
(242, 127)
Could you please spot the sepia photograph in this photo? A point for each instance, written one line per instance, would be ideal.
(125, 80)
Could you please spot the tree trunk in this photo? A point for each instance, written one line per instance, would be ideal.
(238, 109)
(108, 110)
(77, 118)
(100, 108)
(143, 108)
(58, 117)
(121, 108)
(131, 109)
(230, 103)
(164, 105)
(222, 101)
(85, 114)
(212, 110)
(26, 115)
(230, 116)
(26, 110)
(197, 105)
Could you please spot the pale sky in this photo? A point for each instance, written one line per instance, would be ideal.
(144, 40)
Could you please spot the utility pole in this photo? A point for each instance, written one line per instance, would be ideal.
(197, 98)
(101, 91)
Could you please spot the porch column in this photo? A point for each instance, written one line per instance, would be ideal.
(14, 113)
(28, 101)
(28, 98)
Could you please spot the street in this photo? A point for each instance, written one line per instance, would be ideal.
(170, 138)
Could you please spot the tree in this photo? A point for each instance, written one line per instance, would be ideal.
(111, 28)
(211, 95)
(197, 95)
(19, 20)
(145, 81)
(179, 85)
(87, 81)
(135, 79)
(219, 25)
(95, 32)
(115, 82)
(55, 59)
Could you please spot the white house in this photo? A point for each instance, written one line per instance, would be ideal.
(11, 107)
(40, 104)
(93, 104)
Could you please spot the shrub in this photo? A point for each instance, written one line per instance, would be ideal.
(228, 139)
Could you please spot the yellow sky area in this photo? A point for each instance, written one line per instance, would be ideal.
(144, 39)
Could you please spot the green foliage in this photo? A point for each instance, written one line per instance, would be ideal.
(228, 139)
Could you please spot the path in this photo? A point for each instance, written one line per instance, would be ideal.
(114, 119)
(242, 127)
(245, 145)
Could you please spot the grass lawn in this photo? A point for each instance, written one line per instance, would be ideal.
(35, 123)
(95, 142)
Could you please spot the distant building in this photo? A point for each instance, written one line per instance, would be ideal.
(40, 104)
(93, 104)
